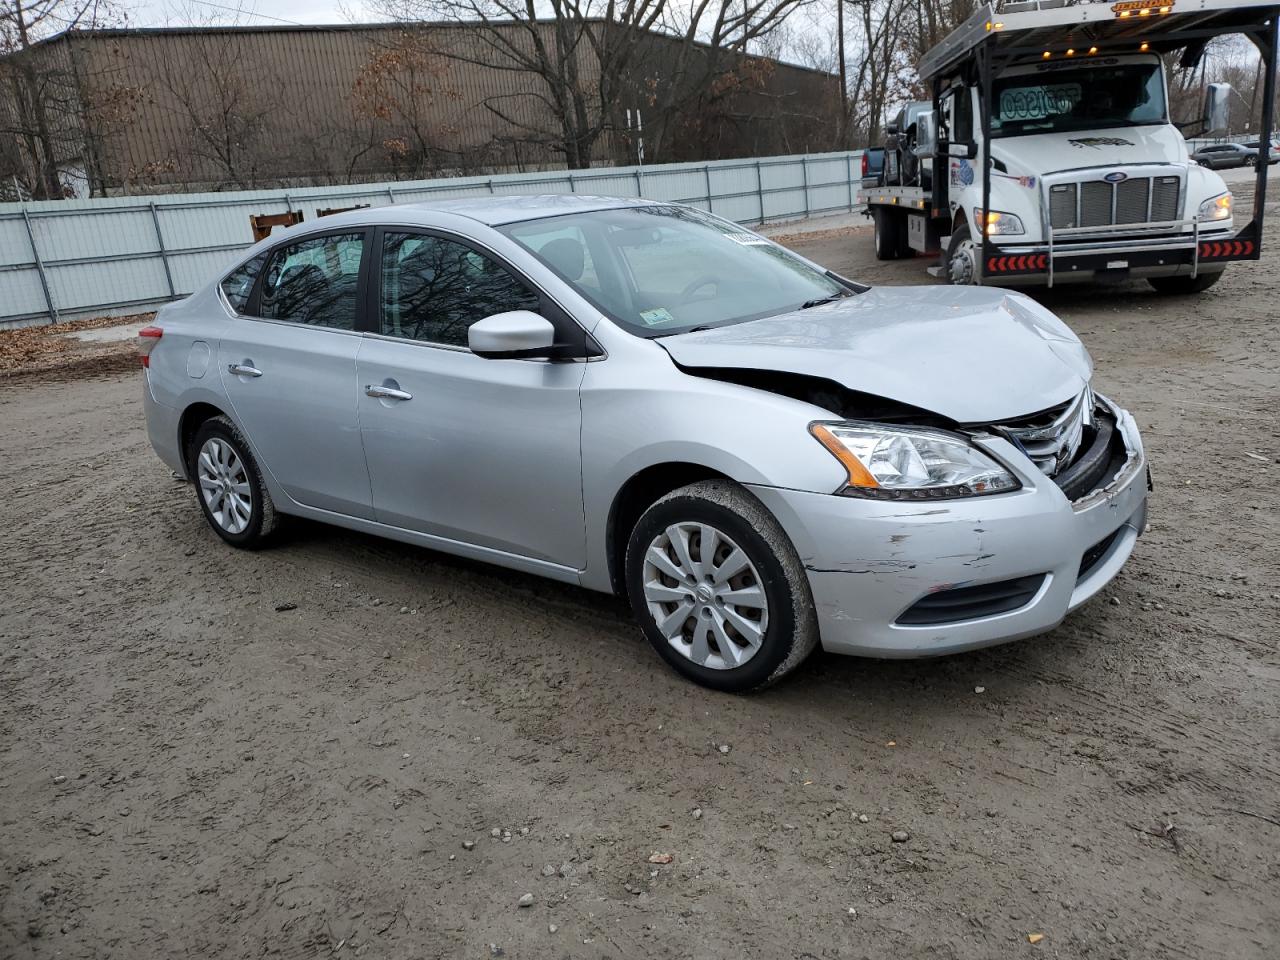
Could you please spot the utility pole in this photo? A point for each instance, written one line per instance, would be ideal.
(842, 128)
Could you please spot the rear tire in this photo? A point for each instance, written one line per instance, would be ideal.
(229, 485)
(890, 237)
(1182, 286)
(751, 578)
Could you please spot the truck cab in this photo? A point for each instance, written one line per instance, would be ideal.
(1084, 160)
(1053, 155)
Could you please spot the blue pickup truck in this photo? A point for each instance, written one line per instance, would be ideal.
(872, 166)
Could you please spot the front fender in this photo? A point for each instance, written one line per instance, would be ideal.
(639, 410)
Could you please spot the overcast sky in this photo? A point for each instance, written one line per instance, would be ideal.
(158, 13)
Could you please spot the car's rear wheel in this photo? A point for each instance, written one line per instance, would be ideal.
(229, 485)
(1185, 285)
(718, 588)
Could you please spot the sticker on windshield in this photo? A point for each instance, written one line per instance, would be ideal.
(746, 239)
(656, 317)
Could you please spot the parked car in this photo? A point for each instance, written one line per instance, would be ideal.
(1274, 156)
(872, 166)
(643, 398)
(1220, 156)
(901, 165)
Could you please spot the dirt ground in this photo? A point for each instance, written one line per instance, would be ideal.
(186, 769)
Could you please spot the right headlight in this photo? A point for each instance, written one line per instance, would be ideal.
(887, 462)
(1216, 208)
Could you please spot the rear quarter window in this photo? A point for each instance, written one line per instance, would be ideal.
(238, 285)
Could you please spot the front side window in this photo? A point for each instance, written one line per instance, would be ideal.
(314, 282)
(659, 269)
(1061, 97)
(434, 289)
(237, 286)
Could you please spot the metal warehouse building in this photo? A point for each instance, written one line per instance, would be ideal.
(177, 109)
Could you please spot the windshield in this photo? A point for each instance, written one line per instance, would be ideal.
(1101, 94)
(659, 270)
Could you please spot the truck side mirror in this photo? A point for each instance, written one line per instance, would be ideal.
(1216, 107)
(891, 128)
(927, 135)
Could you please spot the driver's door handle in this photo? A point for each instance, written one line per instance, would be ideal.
(386, 393)
(244, 370)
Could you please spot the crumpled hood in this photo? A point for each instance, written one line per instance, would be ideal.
(972, 354)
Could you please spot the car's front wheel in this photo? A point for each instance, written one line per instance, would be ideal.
(718, 588)
(229, 485)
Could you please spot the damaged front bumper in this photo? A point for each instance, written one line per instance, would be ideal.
(896, 579)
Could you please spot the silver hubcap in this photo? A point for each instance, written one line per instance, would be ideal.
(705, 596)
(963, 265)
(224, 484)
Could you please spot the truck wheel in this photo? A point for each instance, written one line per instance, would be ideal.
(961, 266)
(1185, 285)
(889, 234)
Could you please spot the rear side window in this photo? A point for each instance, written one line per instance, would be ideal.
(238, 285)
(314, 282)
(434, 289)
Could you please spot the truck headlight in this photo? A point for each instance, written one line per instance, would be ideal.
(909, 463)
(1216, 208)
(998, 223)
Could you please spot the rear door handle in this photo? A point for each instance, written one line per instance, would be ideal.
(244, 369)
(387, 393)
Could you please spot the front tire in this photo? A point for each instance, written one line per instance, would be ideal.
(1182, 286)
(718, 588)
(229, 485)
(961, 267)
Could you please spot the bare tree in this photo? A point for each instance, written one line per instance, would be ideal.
(46, 121)
(579, 60)
(402, 89)
(221, 98)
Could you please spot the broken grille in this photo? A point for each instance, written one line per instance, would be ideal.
(1053, 437)
(1097, 203)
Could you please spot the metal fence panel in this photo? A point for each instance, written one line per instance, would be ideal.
(62, 259)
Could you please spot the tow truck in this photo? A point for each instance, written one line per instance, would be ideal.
(1053, 154)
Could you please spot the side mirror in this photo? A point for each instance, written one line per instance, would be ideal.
(891, 128)
(927, 134)
(1216, 107)
(962, 150)
(509, 336)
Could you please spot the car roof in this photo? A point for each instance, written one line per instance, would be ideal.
(493, 210)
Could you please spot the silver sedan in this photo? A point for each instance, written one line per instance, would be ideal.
(646, 399)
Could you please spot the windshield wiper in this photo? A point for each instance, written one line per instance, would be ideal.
(821, 300)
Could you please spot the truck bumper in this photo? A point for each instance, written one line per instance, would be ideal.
(1118, 258)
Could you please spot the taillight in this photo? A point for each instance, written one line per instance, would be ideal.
(866, 165)
(148, 337)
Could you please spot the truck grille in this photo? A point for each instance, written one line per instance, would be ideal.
(1097, 203)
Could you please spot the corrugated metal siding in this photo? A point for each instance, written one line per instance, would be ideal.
(104, 255)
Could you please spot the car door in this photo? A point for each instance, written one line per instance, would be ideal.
(482, 452)
(289, 370)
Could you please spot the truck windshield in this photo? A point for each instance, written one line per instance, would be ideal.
(1093, 95)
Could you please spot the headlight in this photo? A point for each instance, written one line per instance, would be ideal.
(998, 223)
(1217, 208)
(907, 463)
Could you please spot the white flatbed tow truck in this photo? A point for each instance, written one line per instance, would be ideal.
(1053, 155)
